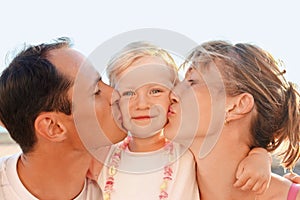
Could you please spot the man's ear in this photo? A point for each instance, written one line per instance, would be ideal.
(49, 126)
(239, 106)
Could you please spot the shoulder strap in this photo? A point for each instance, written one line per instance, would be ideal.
(293, 191)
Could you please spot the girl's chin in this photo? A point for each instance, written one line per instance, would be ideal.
(169, 131)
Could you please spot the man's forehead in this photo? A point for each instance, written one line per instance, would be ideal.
(67, 60)
(76, 66)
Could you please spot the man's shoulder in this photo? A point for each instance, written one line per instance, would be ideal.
(3, 167)
(4, 160)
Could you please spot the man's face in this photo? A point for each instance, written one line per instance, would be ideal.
(95, 119)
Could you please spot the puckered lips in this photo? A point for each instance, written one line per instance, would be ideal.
(171, 111)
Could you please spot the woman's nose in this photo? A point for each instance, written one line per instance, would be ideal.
(115, 97)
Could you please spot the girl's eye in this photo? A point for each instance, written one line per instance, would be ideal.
(155, 91)
(128, 93)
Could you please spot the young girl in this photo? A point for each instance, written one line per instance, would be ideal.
(146, 165)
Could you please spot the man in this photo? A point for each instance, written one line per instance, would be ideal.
(36, 90)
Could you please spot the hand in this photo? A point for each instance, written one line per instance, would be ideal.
(295, 178)
(254, 172)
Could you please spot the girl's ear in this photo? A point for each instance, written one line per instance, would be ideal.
(239, 106)
(49, 126)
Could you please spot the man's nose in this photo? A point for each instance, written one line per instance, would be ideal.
(174, 98)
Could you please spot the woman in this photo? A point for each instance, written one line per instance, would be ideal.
(246, 103)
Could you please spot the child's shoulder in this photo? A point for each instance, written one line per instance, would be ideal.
(183, 152)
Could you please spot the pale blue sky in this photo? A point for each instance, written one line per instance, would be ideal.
(269, 24)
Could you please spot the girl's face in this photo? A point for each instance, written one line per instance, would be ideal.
(144, 89)
(197, 108)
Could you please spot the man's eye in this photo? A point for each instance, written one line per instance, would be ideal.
(128, 93)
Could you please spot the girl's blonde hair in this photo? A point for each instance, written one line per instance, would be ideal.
(132, 52)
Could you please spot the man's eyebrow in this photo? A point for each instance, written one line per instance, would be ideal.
(95, 82)
(98, 79)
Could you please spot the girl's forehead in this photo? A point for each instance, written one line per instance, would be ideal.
(136, 77)
(146, 87)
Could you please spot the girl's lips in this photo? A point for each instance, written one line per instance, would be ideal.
(141, 117)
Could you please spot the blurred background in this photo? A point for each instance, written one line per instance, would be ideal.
(269, 24)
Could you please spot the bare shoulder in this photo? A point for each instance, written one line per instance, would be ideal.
(298, 196)
(278, 190)
(183, 153)
(298, 192)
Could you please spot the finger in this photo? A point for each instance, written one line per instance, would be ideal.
(242, 180)
(259, 187)
(292, 177)
(289, 176)
(296, 179)
(249, 185)
(240, 170)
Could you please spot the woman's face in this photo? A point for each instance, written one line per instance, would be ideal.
(198, 107)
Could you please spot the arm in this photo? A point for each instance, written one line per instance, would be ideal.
(96, 164)
(254, 172)
(94, 170)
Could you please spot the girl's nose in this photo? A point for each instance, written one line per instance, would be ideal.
(142, 102)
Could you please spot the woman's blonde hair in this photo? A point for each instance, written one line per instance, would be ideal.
(246, 68)
(132, 52)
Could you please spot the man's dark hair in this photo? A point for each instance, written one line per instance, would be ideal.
(31, 84)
